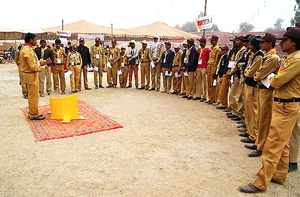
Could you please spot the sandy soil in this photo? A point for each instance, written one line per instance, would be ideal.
(169, 146)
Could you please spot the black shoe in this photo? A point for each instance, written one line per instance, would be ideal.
(202, 99)
(73, 92)
(293, 167)
(63, 92)
(174, 92)
(100, 86)
(25, 96)
(197, 98)
(39, 117)
(146, 88)
(96, 87)
(252, 146)
(220, 107)
(247, 140)
(185, 96)
(227, 110)
(129, 86)
(228, 113)
(244, 134)
(240, 122)
(190, 98)
(209, 103)
(256, 153)
(232, 116)
(88, 88)
(177, 93)
(235, 119)
(151, 89)
(142, 88)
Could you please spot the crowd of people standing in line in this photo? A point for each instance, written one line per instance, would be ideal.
(248, 82)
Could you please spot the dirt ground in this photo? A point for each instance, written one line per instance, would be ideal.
(169, 146)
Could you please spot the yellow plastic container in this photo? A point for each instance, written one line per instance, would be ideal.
(65, 108)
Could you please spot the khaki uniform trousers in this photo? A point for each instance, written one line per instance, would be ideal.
(264, 116)
(251, 96)
(105, 66)
(275, 154)
(45, 73)
(185, 84)
(241, 99)
(210, 81)
(98, 74)
(32, 81)
(201, 83)
(124, 76)
(167, 80)
(234, 94)
(295, 143)
(133, 69)
(145, 72)
(59, 70)
(191, 89)
(224, 91)
(176, 81)
(112, 74)
(218, 89)
(75, 77)
(83, 70)
(155, 76)
(23, 84)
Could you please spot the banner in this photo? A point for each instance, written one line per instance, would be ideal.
(205, 22)
(63, 33)
(87, 36)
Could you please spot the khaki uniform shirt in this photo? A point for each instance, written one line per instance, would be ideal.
(177, 58)
(114, 55)
(287, 80)
(269, 65)
(29, 62)
(144, 55)
(213, 56)
(253, 67)
(74, 59)
(95, 51)
(59, 55)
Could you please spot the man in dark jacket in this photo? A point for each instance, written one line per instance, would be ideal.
(167, 59)
(86, 59)
(44, 53)
(191, 62)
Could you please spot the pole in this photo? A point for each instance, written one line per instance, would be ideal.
(112, 30)
(62, 24)
(205, 6)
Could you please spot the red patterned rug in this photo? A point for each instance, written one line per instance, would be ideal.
(53, 129)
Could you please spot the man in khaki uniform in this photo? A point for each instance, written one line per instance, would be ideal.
(59, 57)
(145, 59)
(97, 61)
(176, 69)
(44, 53)
(29, 66)
(74, 63)
(211, 69)
(286, 84)
(156, 51)
(201, 83)
(86, 59)
(114, 60)
(21, 76)
(251, 93)
(265, 94)
(124, 68)
(167, 60)
(191, 62)
(185, 79)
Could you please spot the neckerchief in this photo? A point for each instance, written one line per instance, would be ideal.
(237, 54)
(187, 54)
